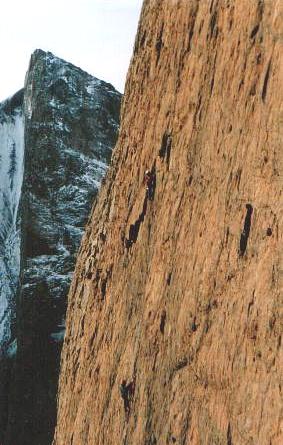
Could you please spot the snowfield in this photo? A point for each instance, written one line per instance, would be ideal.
(11, 178)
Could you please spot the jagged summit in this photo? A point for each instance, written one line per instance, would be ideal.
(57, 65)
(52, 61)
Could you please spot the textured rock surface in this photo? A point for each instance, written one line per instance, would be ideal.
(71, 125)
(189, 314)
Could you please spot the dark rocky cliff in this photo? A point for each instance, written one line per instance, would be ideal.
(70, 127)
(174, 326)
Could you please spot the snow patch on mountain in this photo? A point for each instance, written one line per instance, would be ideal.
(11, 174)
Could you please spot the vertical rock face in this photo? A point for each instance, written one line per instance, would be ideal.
(175, 311)
(70, 122)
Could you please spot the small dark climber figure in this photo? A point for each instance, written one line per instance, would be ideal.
(147, 179)
(127, 392)
(149, 182)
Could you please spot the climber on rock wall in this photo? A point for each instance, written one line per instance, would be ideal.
(127, 391)
(147, 179)
(149, 182)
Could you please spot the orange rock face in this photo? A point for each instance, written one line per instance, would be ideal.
(175, 310)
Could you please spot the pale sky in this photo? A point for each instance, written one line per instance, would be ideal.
(96, 35)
